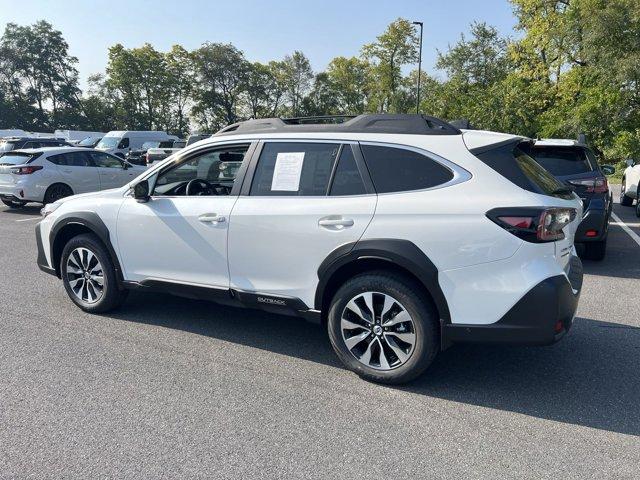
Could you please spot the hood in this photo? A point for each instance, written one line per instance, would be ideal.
(99, 194)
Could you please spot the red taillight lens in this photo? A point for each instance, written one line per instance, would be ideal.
(518, 222)
(592, 185)
(534, 224)
(26, 170)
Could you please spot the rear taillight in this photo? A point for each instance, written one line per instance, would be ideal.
(28, 170)
(592, 185)
(533, 224)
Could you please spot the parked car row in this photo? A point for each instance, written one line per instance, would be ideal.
(47, 174)
(401, 234)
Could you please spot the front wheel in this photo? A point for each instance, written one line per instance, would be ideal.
(381, 328)
(89, 276)
(625, 200)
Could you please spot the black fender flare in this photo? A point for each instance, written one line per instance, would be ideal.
(401, 253)
(92, 222)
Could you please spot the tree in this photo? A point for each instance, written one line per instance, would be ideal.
(296, 76)
(221, 80)
(350, 80)
(396, 47)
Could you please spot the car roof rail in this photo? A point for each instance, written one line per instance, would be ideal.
(412, 124)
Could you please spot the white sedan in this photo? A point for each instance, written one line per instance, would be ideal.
(44, 175)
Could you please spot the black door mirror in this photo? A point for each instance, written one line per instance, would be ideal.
(608, 169)
(125, 166)
(141, 191)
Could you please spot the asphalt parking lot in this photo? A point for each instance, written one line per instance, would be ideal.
(174, 388)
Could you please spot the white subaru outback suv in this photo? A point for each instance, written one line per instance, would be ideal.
(400, 233)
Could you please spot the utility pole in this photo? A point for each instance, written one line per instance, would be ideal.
(419, 67)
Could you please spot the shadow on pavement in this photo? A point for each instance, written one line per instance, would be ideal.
(26, 210)
(591, 378)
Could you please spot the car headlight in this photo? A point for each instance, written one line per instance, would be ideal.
(49, 208)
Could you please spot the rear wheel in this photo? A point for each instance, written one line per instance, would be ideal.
(638, 203)
(89, 276)
(56, 192)
(382, 329)
(624, 199)
(595, 250)
(14, 203)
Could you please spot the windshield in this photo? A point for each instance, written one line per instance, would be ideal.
(88, 142)
(15, 158)
(562, 161)
(108, 142)
(6, 146)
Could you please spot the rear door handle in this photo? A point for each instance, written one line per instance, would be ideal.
(211, 218)
(335, 223)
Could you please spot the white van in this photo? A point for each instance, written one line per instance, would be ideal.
(76, 135)
(119, 142)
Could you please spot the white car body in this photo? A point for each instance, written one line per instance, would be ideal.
(119, 142)
(33, 187)
(631, 178)
(271, 251)
(76, 135)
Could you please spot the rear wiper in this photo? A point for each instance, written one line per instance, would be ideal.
(562, 190)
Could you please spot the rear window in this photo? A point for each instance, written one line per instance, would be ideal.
(401, 170)
(563, 161)
(512, 162)
(17, 158)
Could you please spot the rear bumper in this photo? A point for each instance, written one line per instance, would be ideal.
(542, 317)
(596, 217)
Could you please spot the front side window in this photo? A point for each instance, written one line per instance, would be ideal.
(210, 173)
(124, 143)
(400, 170)
(294, 169)
(105, 161)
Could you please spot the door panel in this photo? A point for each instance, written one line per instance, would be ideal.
(276, 244)
(77, 170)
(166, 239)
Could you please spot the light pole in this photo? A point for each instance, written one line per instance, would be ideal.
(419, 67)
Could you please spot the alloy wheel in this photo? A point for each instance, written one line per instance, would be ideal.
(378, 330)
(85, 275)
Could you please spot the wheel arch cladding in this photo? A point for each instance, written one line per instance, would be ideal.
(401, 256)
(72, 225)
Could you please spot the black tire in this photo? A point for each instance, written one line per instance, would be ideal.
(112, 297)
(56, 192)
(595, 250)
(625, 201)
(14, 203)
(422, 313)
(638, 203)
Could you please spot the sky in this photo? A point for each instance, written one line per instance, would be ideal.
(264, 30)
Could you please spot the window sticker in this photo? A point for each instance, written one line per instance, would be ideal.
(287, 171)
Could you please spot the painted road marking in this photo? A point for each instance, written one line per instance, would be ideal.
(634, 236)
(28, 219)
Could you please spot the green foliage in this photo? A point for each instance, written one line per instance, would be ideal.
(573, 68)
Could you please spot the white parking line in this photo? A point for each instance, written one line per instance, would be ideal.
(28, 219)
(634, 236)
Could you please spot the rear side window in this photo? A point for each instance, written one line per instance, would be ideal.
(400, 170)
(71, 159)
(294, 169)
(347, 179)
(512, 162)
(563, 161)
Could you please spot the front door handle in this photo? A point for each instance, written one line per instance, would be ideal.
(335, 223)
(211, 218)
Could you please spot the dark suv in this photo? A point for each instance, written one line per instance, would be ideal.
(575, 164)
(14, 143)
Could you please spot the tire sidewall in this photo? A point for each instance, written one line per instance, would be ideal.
(423, 316)
(47, 195)
(91, 243)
